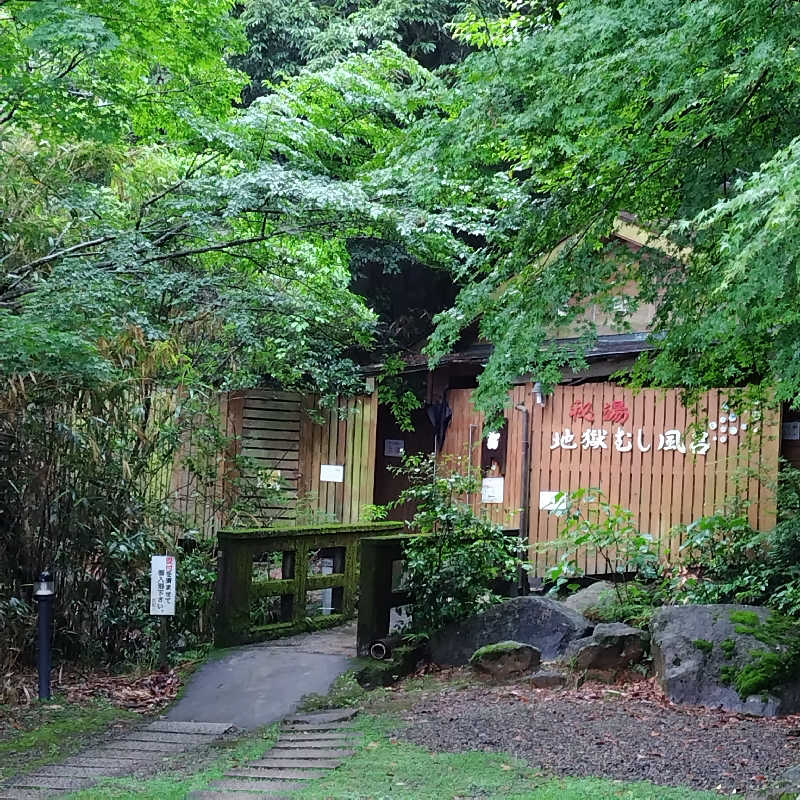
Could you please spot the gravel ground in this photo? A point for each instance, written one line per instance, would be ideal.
(628, 733)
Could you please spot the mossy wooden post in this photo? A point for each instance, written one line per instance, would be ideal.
(235, 588)
(288, 566)
(376, 598)
(300, 580)
(233, 594)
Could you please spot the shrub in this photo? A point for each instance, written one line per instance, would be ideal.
(595, 526)
(455, 563)
(726, 560)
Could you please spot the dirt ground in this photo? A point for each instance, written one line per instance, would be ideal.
(627, 732)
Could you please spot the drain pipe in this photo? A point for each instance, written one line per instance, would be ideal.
(524, 512)
(472, 427)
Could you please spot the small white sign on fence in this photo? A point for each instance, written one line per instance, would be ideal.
(492, 490)
(163, 585)
(331, 473)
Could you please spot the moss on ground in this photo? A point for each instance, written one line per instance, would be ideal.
(44, 732)
(345, 692)
(704, 645)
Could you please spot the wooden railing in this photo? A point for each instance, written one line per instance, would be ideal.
(265, 575)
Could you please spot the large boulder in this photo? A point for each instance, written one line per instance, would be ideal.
(596, 596)
(696, 650)
(506, 659)
(611, 646)
(539, 621)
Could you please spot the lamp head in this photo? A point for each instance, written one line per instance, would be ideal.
(45, 586)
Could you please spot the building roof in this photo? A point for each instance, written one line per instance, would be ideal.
(607, 346)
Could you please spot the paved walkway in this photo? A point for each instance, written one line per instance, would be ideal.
(262, 683)
(247, 688)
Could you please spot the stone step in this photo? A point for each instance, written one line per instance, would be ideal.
(110, 764)
(336, 715)
(186, 739)
(50, 782)
(294, 727)
(133, 756)
(316, 737)
(211, 728)
(74, 771)
(210, 794)
(293, 752)
(9, 793)
(312, 744)
(245, 785)
(147, 747)
(275, 774)
(297, 763)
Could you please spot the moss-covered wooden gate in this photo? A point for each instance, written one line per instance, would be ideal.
(271, 579)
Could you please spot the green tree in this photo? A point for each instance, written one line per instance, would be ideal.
(684, 115)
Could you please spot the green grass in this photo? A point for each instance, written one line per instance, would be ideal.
(44, 732)
(387, 769)
(175, 782)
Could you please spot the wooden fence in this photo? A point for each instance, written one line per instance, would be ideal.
(286, 437)
(645, 451)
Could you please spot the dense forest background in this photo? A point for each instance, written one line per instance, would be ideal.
(206, 195)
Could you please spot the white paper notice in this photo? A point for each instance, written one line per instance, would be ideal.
(492, 490)
(163, 585)
(331, 473)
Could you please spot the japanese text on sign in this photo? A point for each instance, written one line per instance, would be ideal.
(163, 585)
(624, 441)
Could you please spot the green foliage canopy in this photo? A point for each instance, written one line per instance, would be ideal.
(683, 114)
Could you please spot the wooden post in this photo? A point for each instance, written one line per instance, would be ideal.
(163, 635)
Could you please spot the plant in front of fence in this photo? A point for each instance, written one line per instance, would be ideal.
(725, 560)
(592, 526)
(454, 565)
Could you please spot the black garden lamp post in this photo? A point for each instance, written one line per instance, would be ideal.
(44, 593)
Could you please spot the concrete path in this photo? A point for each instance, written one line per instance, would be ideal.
(260, 684)
(308, 746)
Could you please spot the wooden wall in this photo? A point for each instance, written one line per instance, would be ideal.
(346, 436)
(661, 486)
(290, 436)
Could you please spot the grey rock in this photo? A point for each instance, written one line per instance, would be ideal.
(787, 787)
(506, 659)
(688, 659)
(539, 621)
(595, 596)
(548, 679)
(611, 646)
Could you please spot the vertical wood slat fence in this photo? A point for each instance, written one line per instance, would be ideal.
(659, 483)
(289, 436)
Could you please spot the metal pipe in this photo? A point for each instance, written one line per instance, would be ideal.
(469, 455)
(524, 512)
